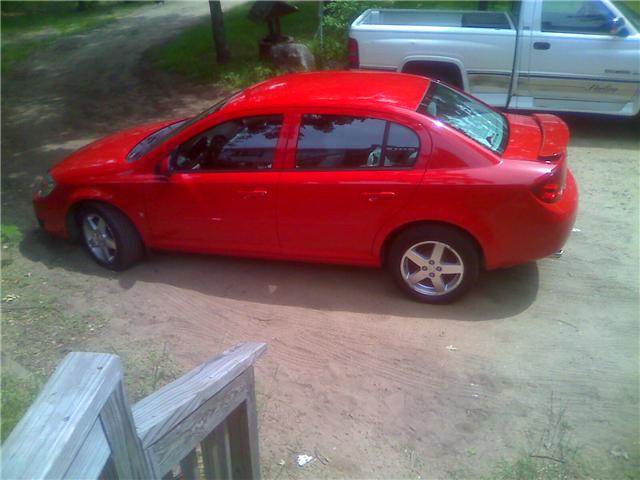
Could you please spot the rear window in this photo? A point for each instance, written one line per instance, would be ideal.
(480, 123)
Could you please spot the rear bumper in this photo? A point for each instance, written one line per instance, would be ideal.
(541, 233)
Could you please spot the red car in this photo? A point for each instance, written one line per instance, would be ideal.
(360, 168)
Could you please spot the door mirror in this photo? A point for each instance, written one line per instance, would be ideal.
(618, 28)
(166, 165)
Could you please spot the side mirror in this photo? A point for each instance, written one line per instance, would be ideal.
(618, 28)
(165, 167)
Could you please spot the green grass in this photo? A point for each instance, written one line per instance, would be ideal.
(29, 26)
(191, 54)
(59, 17)
(17, 395)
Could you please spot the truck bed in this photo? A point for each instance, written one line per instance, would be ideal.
(426, 18)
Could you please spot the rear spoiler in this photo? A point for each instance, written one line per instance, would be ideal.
(555, 137)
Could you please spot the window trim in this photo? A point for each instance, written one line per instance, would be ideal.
(383, 146)
(278, 150)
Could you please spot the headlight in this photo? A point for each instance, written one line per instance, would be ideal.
(45, 186)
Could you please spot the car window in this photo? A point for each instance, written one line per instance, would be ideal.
(347, 143)
(242, 144)
(586, 17)
(402, 146)
(477, 121)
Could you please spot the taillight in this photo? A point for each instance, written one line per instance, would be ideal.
(551, 188)
(352, 56)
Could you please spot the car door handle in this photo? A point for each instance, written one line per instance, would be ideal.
(246, 194)
(373, 196)
(541, 45)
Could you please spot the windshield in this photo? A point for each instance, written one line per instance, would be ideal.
(477, 121)
(627, 9)
(160, 136)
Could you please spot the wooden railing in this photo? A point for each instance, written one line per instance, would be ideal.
(203, 425)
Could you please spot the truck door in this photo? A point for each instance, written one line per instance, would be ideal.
(579, 60)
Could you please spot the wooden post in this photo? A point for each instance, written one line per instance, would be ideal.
(217, 27)
(126, 449)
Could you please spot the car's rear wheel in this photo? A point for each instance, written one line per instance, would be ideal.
(434, 264)
(109, 236)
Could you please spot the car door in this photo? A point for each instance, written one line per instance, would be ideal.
(346, 175)
(221, 195)
(577, 62)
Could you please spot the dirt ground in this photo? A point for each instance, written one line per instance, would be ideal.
(355, 372)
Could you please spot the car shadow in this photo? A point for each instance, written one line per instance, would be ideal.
(498, 294)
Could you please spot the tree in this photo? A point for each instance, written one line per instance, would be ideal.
(219, 38)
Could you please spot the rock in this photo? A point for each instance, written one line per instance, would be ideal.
(292, 56)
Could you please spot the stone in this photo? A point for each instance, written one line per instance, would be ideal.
(292, 56)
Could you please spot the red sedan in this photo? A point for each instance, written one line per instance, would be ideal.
(358, 168)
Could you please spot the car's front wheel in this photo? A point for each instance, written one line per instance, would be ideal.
(109, 236)
(434, 264)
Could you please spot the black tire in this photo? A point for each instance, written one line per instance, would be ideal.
(119, 231)
(457, 251)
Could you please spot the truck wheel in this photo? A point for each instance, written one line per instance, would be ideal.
(434, 264)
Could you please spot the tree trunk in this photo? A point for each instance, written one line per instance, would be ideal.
(219, 37)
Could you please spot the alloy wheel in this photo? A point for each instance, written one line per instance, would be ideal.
(99, 238)
(432, 268)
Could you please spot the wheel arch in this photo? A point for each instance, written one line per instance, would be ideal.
(82, 201)
(421, 65)
(391, 236)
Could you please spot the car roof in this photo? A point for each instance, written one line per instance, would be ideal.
(334, 88)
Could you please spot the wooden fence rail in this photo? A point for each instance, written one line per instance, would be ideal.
(203, 425)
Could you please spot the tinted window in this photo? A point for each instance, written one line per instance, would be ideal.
(402, 146)
(242, 144)
(590, 17)
(343, 142)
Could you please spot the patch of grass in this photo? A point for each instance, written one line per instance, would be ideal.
(29, 26)
(60, 17)
(552, 454)
(148, 366)
(192, 55)
(17, 394)
(10, 234)
(37, 332)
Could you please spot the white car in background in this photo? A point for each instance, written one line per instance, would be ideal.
(578, 56)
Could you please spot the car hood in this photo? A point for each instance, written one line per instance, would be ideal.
(536, 137)
(105, 156)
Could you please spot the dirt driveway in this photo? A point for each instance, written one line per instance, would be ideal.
(355, 372)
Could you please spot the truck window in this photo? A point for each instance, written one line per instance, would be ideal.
(474, 119)
(632, 15)
(590, 17)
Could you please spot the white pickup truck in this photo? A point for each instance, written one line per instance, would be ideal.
(577, 56)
